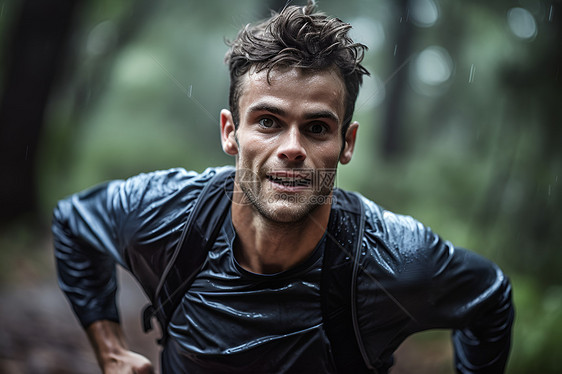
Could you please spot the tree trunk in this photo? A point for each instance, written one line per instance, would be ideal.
(34, 56)
(394, 117)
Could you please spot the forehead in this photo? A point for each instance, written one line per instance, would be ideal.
(295, 88)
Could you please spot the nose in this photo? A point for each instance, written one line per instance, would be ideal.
(291, 148)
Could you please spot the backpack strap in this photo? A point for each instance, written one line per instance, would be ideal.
(200, 231)
(338, 285)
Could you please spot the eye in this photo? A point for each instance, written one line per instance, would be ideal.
(317, 128)
(266, 122)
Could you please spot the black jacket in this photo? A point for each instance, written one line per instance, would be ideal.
(410, 279)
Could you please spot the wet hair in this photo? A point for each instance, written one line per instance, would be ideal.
(297, 37)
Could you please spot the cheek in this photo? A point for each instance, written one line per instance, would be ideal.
(251, 149)
(333, 162)
(330, 155)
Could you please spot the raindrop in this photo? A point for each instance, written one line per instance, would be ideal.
(424, 12)
(472, 72)
(522, 23)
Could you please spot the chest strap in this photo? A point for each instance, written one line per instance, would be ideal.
(338, 285)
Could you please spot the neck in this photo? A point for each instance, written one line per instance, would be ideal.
(267, 247)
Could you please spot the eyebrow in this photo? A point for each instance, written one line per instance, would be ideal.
(264, 107)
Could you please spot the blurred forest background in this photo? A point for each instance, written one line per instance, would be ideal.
(460, 128)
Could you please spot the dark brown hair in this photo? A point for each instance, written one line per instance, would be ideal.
(297, 37)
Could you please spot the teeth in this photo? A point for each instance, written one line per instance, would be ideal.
(291, 182)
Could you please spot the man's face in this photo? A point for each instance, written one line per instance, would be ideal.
(288, 142)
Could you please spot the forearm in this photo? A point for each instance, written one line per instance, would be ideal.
(107, 340)
(113, 355)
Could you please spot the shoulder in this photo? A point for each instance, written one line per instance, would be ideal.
(160, 188)
(143, 206)
(158, 206)
(399, 246)
(398, 231)
(164, 182)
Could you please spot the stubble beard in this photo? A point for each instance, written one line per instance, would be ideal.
(279, 208)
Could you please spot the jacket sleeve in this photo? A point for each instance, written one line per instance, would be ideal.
(482, 323)
(135, 223)
(472, 296)
(424, 282)
(87, 245)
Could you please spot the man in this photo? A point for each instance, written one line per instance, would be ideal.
(255, 303)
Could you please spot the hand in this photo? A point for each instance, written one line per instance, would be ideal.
(127, 362)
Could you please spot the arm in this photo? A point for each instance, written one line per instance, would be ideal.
(422, 282)
(135, 223)
(89, 242)
(108, 341)
(483, 321)
(87, 247)
(470, 295)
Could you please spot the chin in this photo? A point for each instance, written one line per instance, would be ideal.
(284, 207)
(285, 211)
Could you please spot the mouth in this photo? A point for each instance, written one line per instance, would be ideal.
(290, 180)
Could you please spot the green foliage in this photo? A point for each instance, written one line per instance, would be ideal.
(538, 328)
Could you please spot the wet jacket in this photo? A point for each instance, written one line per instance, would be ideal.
(410, 279)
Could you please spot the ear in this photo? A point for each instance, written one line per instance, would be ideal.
(228, 140)
(349, 145)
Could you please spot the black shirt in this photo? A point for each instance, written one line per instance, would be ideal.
(232, 320)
